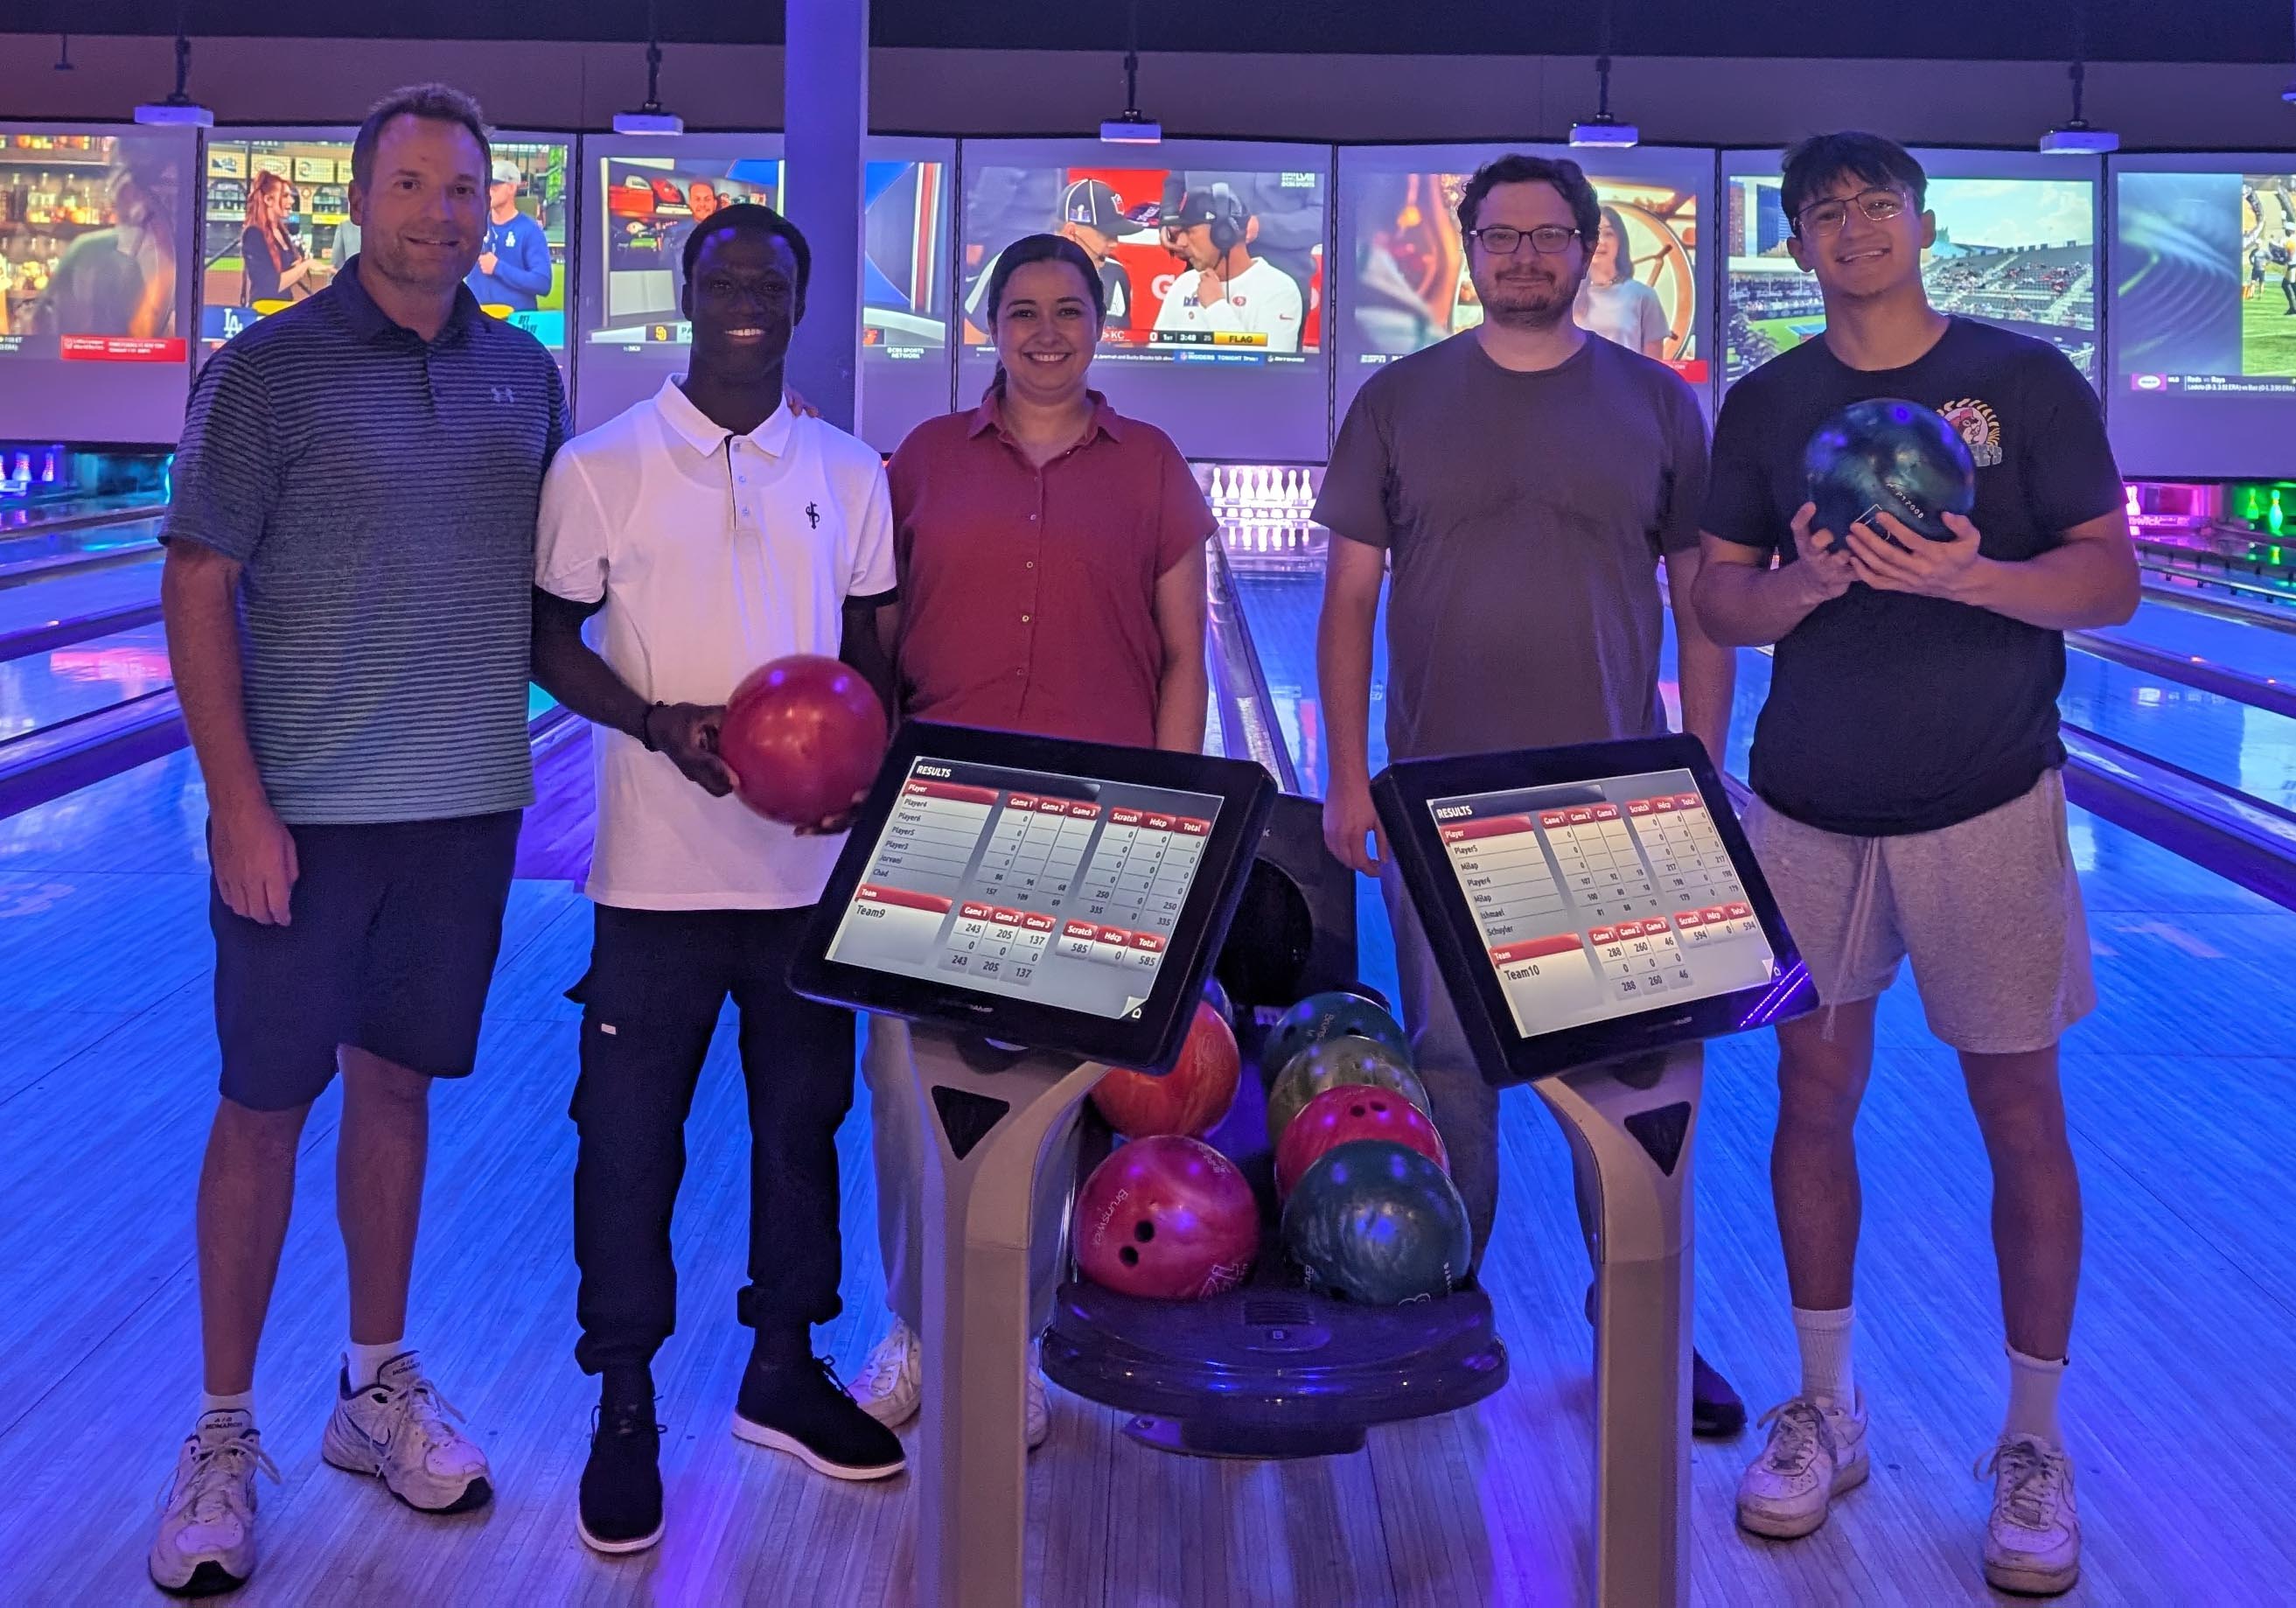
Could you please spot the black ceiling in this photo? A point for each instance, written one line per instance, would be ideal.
(2139, 30)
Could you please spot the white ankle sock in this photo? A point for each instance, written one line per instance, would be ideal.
(363, 1363)
(1825, 1341)
(2034, 1382)
(241, 1401)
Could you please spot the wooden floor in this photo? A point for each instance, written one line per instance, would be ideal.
(2180, 1405)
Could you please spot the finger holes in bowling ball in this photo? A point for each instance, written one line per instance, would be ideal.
(1143, 1231)
(1129, 1257)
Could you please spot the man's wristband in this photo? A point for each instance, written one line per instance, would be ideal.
(645, 728)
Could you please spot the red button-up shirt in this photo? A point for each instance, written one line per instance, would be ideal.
(1029, 594)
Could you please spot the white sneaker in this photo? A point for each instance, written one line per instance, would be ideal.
(206, 1543)
(2032, 1541)
(892, 1384)
(396, 1430)
(1815, 1452)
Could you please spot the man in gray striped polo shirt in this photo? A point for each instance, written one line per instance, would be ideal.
(350, 557)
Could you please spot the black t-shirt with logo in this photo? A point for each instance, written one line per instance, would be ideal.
(1890, 713)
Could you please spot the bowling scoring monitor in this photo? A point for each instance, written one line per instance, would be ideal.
(1589, 902)
(1064, 896)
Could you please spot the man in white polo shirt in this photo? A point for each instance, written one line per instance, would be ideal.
(708, 529)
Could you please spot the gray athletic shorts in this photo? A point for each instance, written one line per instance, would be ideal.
(1988, 911)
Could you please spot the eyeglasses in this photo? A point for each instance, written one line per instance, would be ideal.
(1828, 216)
(1548, 239)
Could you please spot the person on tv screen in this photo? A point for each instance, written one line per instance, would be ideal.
(1225, 288)
(275, 266)
(120, 281)
(701, 201)
(1081, 533)
(1908, 774)
(514, 269)
(1092, 214)
(1511, 490)
(1612, 303)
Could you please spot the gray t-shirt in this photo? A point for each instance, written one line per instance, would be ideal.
(1524, 515)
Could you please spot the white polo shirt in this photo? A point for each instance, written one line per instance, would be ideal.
(1262, 299)
(713, 552)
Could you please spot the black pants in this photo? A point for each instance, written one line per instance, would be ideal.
(656, 983)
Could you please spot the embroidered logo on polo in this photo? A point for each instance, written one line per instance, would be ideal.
(1979, 427)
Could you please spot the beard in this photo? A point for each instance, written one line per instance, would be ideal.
(1537, 299)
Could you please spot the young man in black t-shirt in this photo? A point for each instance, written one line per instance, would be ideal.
(1906, 764)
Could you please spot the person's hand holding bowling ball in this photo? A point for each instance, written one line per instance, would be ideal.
(831, 826)
(1897, 560)
(1822, 565)
(686, 735)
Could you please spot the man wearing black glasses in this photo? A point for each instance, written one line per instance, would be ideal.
(1522, 481)
(1910, 805)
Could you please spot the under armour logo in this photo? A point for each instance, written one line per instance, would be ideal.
(812, 516)
(503, 393)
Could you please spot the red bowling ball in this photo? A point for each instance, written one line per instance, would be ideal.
(1352, 1111)
(1167, 1217)
(803, 736)
(1193, 1098)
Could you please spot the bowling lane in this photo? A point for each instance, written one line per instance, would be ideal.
(2252, 650)
(69, 594)
(18, 516)
(2251, 750)
(80, 542)
(41, 689)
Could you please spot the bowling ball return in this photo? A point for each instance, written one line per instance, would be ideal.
(1271, 1369)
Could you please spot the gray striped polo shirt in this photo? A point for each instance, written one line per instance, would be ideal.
(381, 492)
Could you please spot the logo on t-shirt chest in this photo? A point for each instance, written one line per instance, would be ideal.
(1979, 427)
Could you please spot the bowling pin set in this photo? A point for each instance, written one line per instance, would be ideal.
(1262, 508)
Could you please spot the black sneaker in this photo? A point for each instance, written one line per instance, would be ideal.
(621, 1483)
(802, 1409)
(1716, 1412)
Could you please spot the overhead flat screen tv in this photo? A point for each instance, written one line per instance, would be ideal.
(95, 251)
(1402, 276)
(1212, 254)
(647, 194)
(2204, 326)
(2016, 246)
(277, 228)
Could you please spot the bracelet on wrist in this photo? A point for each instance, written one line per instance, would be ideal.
(645, 727)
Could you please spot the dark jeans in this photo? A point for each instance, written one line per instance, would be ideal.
(651, 999)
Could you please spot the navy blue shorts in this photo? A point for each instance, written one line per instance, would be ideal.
(389, 948)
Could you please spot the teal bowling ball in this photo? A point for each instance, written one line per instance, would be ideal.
(1332, 1015)
(1349, 1059)
(1379, 1223)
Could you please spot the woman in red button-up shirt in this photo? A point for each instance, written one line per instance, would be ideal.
(1051, 570)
